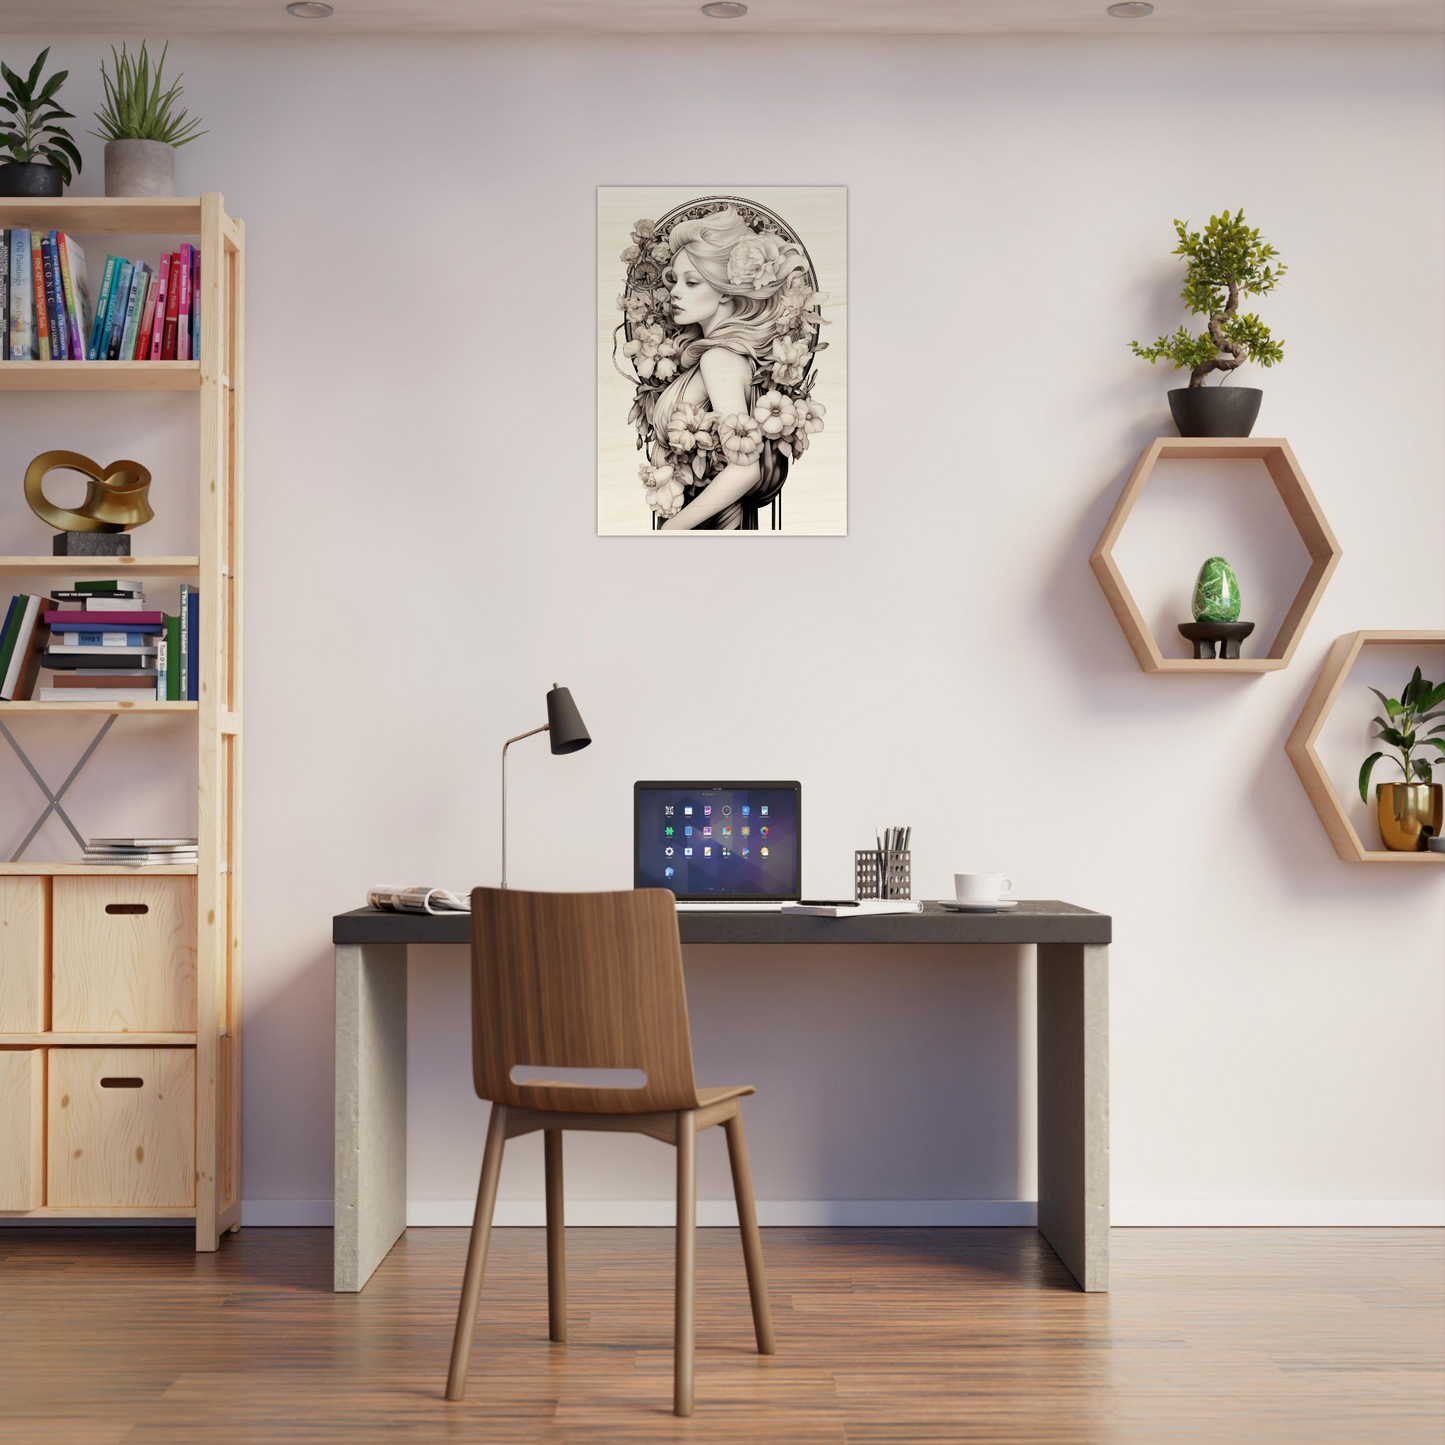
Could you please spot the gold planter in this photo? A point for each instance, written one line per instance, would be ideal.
(1409, 813)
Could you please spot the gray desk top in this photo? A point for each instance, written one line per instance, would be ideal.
(1033, 921)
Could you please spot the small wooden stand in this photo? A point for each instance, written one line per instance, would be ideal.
(1204, 635)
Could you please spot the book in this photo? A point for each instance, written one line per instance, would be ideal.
(37, 291)
(77, 294)
(7, 633)
(96, 694)
(4, 295)
(55, 315)
(115, 322)
(22, 301)
(191, 645)
(24, 663)
(98, 585)
(96, 678)
(150, 844)
(158, 324)
(102, 308)
(183, 308)
(140, 637)
(173, 659)
(195, 303)
(65, 659)
(134, 306)
(93, 602)
(168, 335)
(142, 347)
(114, 621)
(75, 594)
(137, 858)
(866, 908)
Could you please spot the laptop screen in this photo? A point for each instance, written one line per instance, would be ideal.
(719, 840)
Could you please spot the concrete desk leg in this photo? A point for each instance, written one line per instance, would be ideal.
(1073, 1008)
(370, 1108)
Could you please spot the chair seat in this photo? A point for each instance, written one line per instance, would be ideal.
(705, 1097)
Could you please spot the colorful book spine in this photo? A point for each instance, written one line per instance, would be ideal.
(195, 303)
(102, 308)
(119, 300)
(168, 336)
(185, 640)
(25, 658)
(183, 308)
(173, 659)
(7, 633)
(142, 347)
(4, 295)
(54, 304)
(22, 313)
(193, 646)
(133, 309)
(158, 325)
(37, 289)
(77, 294)
(113, 620)
(132, 637)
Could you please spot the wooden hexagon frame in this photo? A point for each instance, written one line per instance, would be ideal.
(1301, 746)
(1304, 512)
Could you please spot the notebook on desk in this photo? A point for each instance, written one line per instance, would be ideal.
(720, 845)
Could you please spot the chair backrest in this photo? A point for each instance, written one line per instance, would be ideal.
(580, 981)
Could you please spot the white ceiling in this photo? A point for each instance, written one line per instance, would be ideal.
(802, 17)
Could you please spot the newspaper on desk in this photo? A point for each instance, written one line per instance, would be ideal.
(418, 900)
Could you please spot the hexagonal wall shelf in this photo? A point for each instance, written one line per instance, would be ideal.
(1304, 511)
(1312, 718)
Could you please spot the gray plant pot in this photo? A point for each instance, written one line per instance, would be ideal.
(140, 168)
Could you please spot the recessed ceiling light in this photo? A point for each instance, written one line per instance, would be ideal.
(308, 10)
(724, 10)
(1131, 10)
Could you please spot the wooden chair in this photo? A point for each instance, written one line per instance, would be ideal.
(593, 981)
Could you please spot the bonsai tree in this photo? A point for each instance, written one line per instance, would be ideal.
(1225, 262)
(27, 125)
(1419, 703)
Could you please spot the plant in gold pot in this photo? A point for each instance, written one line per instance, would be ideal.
(1410, 811)
(140, 126)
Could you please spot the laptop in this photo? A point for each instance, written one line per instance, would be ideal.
(720, 845)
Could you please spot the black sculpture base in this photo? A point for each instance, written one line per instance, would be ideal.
(91, 544)
(1204, 635)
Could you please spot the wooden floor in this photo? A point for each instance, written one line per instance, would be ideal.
(907, 1336)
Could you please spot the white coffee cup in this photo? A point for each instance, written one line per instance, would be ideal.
(981, 887)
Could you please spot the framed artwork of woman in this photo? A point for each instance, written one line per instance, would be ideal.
(722, 389)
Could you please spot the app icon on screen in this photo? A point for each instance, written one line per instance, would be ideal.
(707, 809)
(668, 830)
(764, 830)
(687, 831)
(727, 832)
(745, 810)
(764, 810)
(726, 854)
(687, 812)
(687, 852)
(763, 851)
(746, 830)
(667, 872)
(668, 851)
(745, 852)
(707, 852)
(667, 810)
(707, 832)
(726, 810)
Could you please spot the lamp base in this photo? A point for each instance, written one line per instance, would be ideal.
(91, 544)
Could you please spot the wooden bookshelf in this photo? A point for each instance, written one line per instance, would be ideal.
(214, 384)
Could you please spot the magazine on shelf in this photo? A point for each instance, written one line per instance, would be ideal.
(418, 900)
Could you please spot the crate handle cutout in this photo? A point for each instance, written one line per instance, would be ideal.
(127, 908)
(578, 1078)
(122, 1082)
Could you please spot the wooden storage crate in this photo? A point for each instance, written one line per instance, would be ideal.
(121, 1127)
(24, 953)
(22, 1128)
(124, 955)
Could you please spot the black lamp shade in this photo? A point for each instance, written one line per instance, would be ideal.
(565, 729)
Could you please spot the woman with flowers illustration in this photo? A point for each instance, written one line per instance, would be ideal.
(721, 331)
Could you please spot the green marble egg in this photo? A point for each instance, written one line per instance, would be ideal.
(1216, 593)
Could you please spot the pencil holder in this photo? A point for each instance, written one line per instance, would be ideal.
(881, 873)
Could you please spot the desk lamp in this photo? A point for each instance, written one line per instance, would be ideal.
(568, 734)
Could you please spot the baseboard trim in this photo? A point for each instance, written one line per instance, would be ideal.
(1278, 1213)
(888, 1213)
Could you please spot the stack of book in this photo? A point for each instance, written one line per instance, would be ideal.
(140, 852)
(103, 644)
(140, 313)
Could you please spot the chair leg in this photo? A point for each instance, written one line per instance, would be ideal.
(477, 1252)
(686, 1261)
(556, 1238)
(752, 1240)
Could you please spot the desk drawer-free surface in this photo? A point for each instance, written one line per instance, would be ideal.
(22, 1128)
(124, 955)
(122, 1127)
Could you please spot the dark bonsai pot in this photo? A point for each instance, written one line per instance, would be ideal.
(1215, 411)
(30, 178)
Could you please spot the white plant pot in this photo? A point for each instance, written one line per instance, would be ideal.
(140, 168)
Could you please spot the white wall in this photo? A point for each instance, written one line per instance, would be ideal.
(423, 564)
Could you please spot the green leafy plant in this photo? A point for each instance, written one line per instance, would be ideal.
(135, 106)
(27, 119)
(1419, 703)
(1225, 262)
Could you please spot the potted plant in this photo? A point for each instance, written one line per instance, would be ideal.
(1409, 811)
(40, 153)
(1225, 262)
(139, 128)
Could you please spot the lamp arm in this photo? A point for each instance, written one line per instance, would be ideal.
(505, 746)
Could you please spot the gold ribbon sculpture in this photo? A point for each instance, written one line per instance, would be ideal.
(115, 496)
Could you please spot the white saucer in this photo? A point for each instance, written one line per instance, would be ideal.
(954, 907)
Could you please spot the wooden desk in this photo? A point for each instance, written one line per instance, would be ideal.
(1073, 1056)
